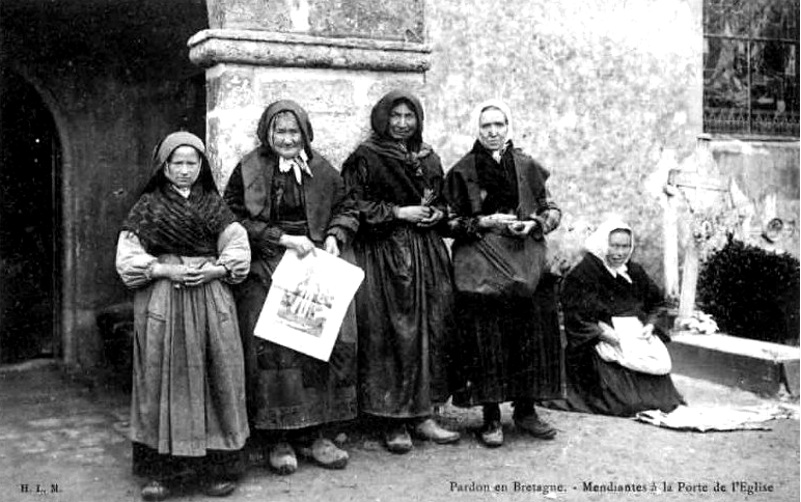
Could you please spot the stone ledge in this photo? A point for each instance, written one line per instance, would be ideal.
(264, 48)
(753, 365)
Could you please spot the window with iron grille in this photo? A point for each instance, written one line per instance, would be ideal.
(751, 67)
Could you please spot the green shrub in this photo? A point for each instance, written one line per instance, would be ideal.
(752, 293)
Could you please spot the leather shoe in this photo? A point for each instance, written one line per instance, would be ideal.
(326, 454)
(491, 435)
(154, 491)
(535, 427)
(397, 440)
(429, 429)
(283, 459)
(219, 488)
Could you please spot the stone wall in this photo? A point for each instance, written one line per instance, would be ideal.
(386, 20)
(335, 76)
(338, 103)
(599, 89)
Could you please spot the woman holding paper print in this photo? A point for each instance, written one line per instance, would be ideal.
(180, 248)
(510, 348)
(404, 305)
(604, 287)
(288, 196)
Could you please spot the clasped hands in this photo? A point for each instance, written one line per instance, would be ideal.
(610, 336)
(187, 276)
(509, 223)
(422, 216)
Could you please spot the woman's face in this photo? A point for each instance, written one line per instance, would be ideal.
(286, 136)
(183, 166)
(619, 247)
(402, 122)
(492, 128)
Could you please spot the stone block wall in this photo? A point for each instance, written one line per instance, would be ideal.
(599, 89)
(338, 104)
(336, 81)
(386, 20)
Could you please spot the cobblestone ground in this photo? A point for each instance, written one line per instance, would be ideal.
(61, 440)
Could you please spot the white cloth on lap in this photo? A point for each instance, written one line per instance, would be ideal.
(635, 352)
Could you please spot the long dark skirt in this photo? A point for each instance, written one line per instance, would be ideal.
(508, 348)
(405, 317)
(597, 386)
(216, 464)
(288, 390)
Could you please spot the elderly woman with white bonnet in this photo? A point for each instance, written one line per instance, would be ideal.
(617, 363)
(509, 347)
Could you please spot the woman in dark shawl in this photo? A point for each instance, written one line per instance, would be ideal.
(288, 196)
(509, 346)
(180, 248)
(404, 306)
(603, 286)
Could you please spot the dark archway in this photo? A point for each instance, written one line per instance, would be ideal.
(30, 223)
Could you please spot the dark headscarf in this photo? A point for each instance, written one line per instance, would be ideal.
(285, 105)
(163, 220)
(383, 144)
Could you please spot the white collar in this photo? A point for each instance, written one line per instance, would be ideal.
(184, 192)
(622, 271)
(298, 165)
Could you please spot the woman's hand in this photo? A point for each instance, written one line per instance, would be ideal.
(206, 273)
(300, 243)
(331, 245)
(497, 220)
(183, 275)
(412, 214)
(174, 272)
(521, 228)
(608, 334)
(647, 331)
(432, 220)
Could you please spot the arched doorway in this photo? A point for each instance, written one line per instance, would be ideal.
(30, 166)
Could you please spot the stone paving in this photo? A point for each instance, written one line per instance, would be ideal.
(64, 440)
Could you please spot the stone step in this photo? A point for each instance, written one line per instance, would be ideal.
(753, 365)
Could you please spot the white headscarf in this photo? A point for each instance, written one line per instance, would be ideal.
(475, 117)
(598, 244)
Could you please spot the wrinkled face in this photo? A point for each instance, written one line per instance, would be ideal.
(619, 248)
(183, 166)
(492, 128)
(286, 135)
(402, 122)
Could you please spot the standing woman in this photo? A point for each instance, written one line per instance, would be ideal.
(404, 306)
(507, 315)
(289, 197)
(180, 248)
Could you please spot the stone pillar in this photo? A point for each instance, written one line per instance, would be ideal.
(334, 58)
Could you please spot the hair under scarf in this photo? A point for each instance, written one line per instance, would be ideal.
(162, 153)
(161, 218)
(475, 117)
(285, 105)
(379, 118)
(598, 243)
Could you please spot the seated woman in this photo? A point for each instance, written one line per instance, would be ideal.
(604, 290)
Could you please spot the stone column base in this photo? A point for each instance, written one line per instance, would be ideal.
(336, 80)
